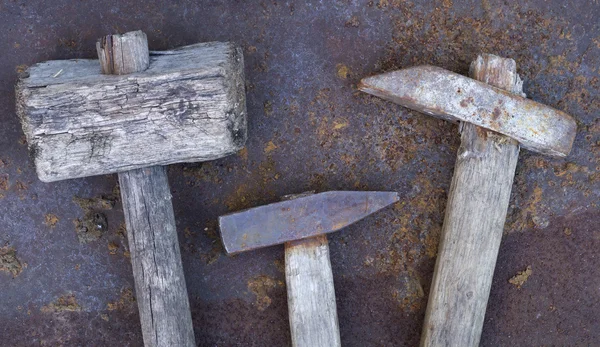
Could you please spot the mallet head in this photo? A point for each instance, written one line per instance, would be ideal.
(450, 96)
(299, 218)
(189, 105)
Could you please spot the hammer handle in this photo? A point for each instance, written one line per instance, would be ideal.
(159, 281)
(155, 257)
(473, 225)
(311, 295)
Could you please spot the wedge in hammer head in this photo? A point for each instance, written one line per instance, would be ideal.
(299, 218)
(453, 97)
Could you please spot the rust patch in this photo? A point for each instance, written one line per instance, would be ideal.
(98, 203)
(525, 216)
(343, 72)
(268, 108)
(91, 227)
(465, 102)
(261, 286)
(353, 22)
(9, 261)
(126, 301)
(215, 250)
(62, 304)
(94, 222)
(113, 247)
(410, 293)
(520, 278)
(496, 114)
(243, 153)
(206, 172)
(269, 147)
(50, 220)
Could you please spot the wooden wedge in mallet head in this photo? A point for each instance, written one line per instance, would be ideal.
(133, 112)
(301, 222)
(495, 119)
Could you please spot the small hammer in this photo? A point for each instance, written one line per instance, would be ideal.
(133, 112)
(494, 119)
(301, 222)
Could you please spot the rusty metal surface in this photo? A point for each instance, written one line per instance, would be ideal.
(299, 218)
(448, 95)
(310, 128)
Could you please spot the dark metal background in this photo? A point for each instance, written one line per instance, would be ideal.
(309, 128)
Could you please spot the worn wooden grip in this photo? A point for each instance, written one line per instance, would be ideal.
(311, 295)
(474, 221)
(155, 257)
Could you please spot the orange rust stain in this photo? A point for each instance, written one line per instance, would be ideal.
(9, 261)
(270, 147)
(243, 153)
(261, 286)
(63, 303)
(342, 71)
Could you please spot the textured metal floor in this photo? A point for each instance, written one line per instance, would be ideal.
(309, 128)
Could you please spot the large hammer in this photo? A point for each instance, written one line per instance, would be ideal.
(494, 119)
(183, 105)
(301, 222)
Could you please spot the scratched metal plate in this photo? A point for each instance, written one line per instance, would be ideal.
(310, 129)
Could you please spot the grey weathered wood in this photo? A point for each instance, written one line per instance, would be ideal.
(187, 106)
(123, 54)
(311, 294)
(155, 257)
(475, 215)
(160, 287)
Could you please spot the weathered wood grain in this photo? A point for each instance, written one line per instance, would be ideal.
(123, 54)
(311, 294)
(475, 215)
(160, 288)
(189, 105)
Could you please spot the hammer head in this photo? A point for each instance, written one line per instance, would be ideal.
(298, 218)
(189, 105)
(450, 96)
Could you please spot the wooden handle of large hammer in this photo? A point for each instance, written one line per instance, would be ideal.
(160, 286)
(311, 295)
(474, 221)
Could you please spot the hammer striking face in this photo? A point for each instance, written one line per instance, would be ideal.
(298, 218)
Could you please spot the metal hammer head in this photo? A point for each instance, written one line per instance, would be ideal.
(189, 105)
(298, 218)
(450, 96)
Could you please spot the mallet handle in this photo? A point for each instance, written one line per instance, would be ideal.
(155, 257)
(160, 287)
(311, 295)
(473, 225)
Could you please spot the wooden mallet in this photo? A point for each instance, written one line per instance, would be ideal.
(495, 119)
(133, 112)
